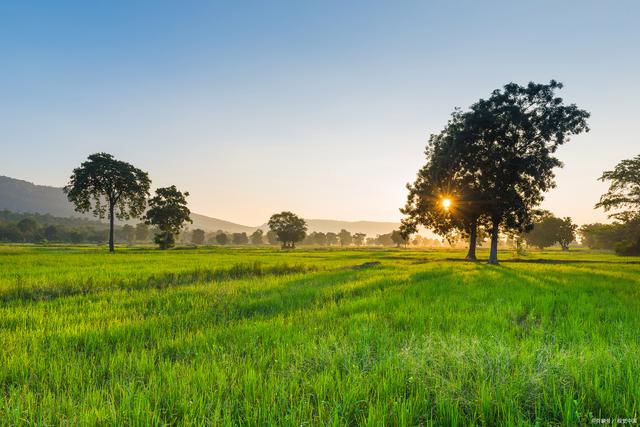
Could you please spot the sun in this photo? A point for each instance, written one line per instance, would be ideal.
(446, 203)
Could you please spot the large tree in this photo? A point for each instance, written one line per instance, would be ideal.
(168, 211)
(108, 187)
(503, 148)
(289, 227)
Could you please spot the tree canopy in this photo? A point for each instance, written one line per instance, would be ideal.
(168, 211)
(108, 187)
(495, 161)
(289, 228)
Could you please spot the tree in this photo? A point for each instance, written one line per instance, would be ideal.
(544, 232)
(257, 237)
(106, 186)
(197, 236)
(358, 239)
(319, 238)
(272, 237)
(168, 211)
(503, 150)
(142, 232)
(624, 190)
(345, 237)
(222, 238)
(129, 233)
(399, 238)
(331, 238)
(240, 238)
(566, 233)
(51, 233)
(28, 228)
(289, 227)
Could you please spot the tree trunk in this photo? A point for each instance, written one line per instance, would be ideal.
(111, 210)
(493, 254)
(473, 237)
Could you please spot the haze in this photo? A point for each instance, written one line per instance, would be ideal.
(323, 109)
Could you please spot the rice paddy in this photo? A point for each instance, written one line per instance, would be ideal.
(246, 336)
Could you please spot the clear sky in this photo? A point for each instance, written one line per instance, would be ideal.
(322, 108)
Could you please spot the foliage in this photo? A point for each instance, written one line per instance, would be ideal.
(197, 236)
(345, 237)
(501, 151)
(168, 212)
(289, 227)
(239, 238)
(272, 237)
(331, 238)
(108, 187)
(142, 232)
(222, 238)
(257, 237)
(549, 230)
(624, 190)
(359, 238)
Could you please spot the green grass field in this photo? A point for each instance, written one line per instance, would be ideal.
(311, 337)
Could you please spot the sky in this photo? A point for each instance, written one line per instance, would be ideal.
(318, 107)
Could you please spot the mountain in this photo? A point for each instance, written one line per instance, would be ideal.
(21, 196)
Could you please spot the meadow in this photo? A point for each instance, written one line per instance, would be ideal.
(259, 336)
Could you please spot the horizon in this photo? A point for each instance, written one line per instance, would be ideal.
(320, 109)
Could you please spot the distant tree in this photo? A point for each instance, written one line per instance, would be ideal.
(240, 238)
(27, 226)
(319, 238)
(52, 233)
(345, 237)
(566, 233)
(358, 239)
(129, 233)
(257, 237)
(106, 186)
(544, 232)
(272, 238)
(386, 239)
(398, 238)
(168, 211)
(332, 238)
(142, 232)
(624, 190)
(602, 236)
(197, 236)
(289, 227)
(222, 238)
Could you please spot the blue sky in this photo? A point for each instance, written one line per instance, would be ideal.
(322, 108)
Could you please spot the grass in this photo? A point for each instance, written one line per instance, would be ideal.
(264, 337)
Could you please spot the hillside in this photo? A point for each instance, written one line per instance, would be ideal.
(21, 196)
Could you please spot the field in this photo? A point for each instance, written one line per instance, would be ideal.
(316, 337)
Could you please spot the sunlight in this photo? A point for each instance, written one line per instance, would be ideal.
(446, 204)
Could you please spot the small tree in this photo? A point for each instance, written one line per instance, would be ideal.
(345, 237)
(142, 232)
(257, 237)
(197, 236)
(222, 238)
(319, 238)
(398, 238)
(129, 233)
(106, 186)
(331, 238)
(168, 212)
(272, 238)
(289, 227)
(566, 233)
(239, 239)
(358, 239)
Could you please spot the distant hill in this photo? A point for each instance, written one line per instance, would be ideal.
(21, 196)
